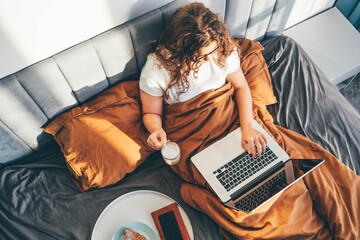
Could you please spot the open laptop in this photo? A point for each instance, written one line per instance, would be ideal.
(246, 183)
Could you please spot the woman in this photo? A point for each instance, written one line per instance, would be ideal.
(195, 53)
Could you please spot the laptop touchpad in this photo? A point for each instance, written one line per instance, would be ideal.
(229, 147)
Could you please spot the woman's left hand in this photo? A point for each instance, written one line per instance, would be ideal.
(253, 141)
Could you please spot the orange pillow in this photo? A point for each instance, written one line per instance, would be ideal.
(256, 71)
(104, 139)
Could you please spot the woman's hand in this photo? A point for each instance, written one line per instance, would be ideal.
(152, 108)
(157, 138)
(253, 141)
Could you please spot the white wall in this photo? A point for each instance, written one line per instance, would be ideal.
(33, 30)
(303, 9)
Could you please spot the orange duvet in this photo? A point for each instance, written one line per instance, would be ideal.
(324, 205)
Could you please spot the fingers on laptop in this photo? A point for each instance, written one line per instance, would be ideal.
(263, 142)
(256, 146)
(260, 143)
(250, 147)
(246, 146)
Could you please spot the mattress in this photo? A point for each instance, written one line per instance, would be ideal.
(38, 200)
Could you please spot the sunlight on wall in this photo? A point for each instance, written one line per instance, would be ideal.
(33, 30)
(65, 23)
(304, 9)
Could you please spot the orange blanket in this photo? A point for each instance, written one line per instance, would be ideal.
(324, 205)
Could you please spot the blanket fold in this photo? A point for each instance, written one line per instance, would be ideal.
(189, 124)
(323, 205)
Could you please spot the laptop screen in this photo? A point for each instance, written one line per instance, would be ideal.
(275, 184)
(303, 166)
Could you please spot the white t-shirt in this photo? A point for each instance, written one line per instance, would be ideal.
(154, 80)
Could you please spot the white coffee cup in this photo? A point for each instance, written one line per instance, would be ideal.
(170, 152)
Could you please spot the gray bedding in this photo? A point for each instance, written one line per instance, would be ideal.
(38, 200)
(309, 104)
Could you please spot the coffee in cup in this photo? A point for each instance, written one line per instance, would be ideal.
(170, 152)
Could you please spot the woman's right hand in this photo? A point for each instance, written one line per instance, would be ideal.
(157, 138)
(152, 108)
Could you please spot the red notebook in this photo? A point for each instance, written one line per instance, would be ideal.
(169, 223)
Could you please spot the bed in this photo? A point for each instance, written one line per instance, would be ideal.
(39, 200)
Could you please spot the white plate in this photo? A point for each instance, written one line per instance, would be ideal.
(134, 207)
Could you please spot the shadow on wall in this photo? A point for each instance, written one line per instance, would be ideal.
(10, 55)
(351, 10)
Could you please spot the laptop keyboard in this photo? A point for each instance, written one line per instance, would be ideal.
(242, 167)
(261, 194)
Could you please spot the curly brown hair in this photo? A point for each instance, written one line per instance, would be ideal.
(192, 27)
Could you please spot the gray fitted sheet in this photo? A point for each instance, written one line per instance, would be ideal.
(39, 201)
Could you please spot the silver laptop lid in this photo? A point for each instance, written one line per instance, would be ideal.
(225, 150)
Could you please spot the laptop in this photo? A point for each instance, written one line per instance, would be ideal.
(245, 183)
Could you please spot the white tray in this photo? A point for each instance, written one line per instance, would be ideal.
(134, 207)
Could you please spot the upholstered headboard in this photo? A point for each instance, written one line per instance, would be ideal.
(30, 98)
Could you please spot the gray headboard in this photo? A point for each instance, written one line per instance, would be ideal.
(30, 98)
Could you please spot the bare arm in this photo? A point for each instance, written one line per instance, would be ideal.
(250, 136)
(152, 108)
